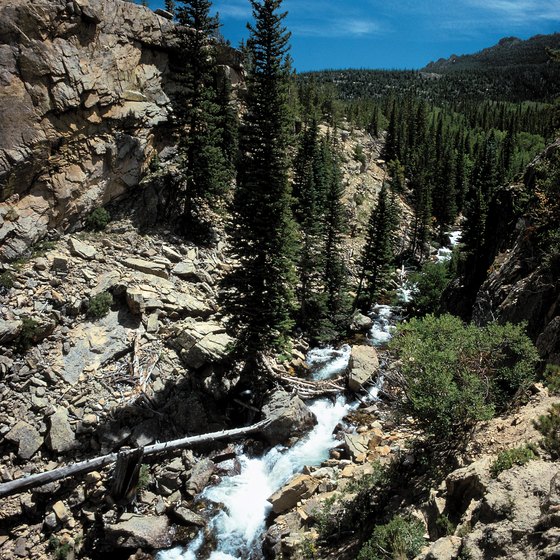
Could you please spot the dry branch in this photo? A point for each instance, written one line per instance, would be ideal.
(39, 479)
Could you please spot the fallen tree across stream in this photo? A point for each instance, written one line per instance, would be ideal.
(22, 484)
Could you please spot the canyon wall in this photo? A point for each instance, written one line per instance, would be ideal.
(84, 105)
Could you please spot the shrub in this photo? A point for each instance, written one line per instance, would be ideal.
(510, 457)
(549, 426)
(429, 283)
(400, 539)
(6, 280)
(359, 155)
(552, 379)
(444, 525)
(28, 335)
(98, 220)
(143, 478)
(99, 305)
(454, 375)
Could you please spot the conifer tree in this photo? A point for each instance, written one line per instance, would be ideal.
(378, 253)
(170, 6)
(261, 296)
(204, 171)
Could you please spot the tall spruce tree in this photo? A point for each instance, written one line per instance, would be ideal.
(378, 252)
(204, 170)
(261, 296)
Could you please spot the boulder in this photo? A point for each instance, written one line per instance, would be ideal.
(446, 548)
(29, 440)
(80, 249)
(61, 437)
(357, 445)
(187, 517)
(147, 267)
(199, 477)
(185, 269)
(360, 322)
(364, 364)
(139, 531)
(9, 330)
(289, 417)
(202, 343)
(299, 488)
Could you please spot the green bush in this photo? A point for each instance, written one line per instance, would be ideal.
(510, 457)
(99, 305)
(143, 478)
(98, 220)
(28, 335)
(7, 280)
(454, 375)
(552, 379)
(444, 525)
(399, 539)
(549, 426)
(429, 283)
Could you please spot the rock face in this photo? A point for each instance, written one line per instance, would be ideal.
(83, 105)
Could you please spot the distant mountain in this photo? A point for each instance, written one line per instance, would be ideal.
(510, 51)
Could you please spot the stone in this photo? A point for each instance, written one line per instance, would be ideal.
(29, 440)
(446, 548)
(135, 301)
(364, 364)
(201, 343)
(152, 325)
(95, 344)
(289, 417)
(139, 531)
(80, 249)
(60, 263)
(199, 477)
(147, 267)
(356, 444)
(360, 322)
(61, 437)
(107, 281)
(9, 330)
(185, 269)
(62, 512)
(299, 488)
(187, 517)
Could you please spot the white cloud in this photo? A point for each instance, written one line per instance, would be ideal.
(520, 11)
(233, 9)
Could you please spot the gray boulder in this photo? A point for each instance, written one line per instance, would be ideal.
(61, 436)
(29, 440)
(289, 417)
(139, 531)
(364, 364)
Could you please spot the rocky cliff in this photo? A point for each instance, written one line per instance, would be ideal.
(84, 103)
(522, 282)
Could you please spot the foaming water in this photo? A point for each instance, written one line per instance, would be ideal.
(240, 524)
(329, 362)
(384, 318)
(445, 253)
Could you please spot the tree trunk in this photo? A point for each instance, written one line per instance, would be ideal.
(34, 480)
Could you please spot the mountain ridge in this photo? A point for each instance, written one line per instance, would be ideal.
(507, 52)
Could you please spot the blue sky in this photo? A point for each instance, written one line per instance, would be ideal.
(393, 33)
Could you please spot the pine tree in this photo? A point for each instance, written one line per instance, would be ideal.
(261, 296)
(170, 6)
(204, 170)
(336, 272)
(378, 253)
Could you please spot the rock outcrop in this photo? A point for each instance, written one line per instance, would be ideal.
(84, 102)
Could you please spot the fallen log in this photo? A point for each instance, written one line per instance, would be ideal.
(305, 388)
(39, 479)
